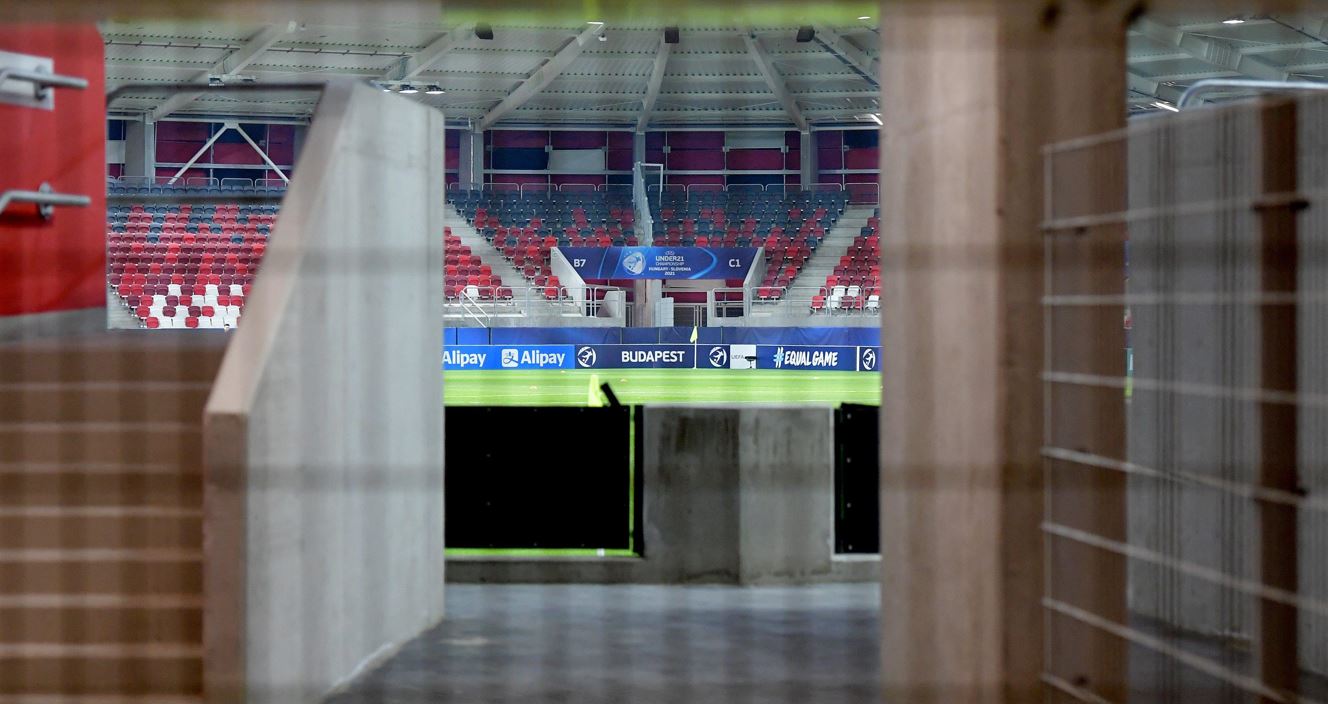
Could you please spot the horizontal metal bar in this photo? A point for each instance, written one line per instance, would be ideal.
(1247, 491)
(173, 88)
(1217, 577)
(1209, 667)
(1078, 693)
(1254, 395)
(1209, 85)
(41, 80)
(45, 199)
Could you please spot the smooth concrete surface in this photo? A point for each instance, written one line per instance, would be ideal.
(731, 495)
(1214, 156)
(1196, 158)
(84, 321)
(324, 432)
(585, 644)
(738, 494)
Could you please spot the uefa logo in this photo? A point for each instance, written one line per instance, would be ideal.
(868, 360)
(634, 263)
(719, 357)
(511, 358)
(586, 356)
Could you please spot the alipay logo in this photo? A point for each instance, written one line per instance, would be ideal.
(719, 357)
(634, 263)
(511, 358)
(868, 359)
(779, 357)
(586, 356)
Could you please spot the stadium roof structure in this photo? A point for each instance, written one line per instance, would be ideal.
(608, 73)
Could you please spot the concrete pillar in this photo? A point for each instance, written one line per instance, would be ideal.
(807, 152)
(301, 132)
(639, 147)
(644, 295)
(140, 148)
(470, 164)
(741, 495)
(962, 409)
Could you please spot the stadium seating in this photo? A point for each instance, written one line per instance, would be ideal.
(791, 226)
(190, 266)
(526, 226)
(185, 266)
(466, 276)
(855, 284)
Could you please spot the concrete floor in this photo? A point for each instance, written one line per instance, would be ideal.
(639, 644)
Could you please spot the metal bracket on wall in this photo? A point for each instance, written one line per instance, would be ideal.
(44, 197)
(27, 80)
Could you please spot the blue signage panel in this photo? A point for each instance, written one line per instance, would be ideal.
(663, 356)
(660, 262)
(636, 356)
(508, 357)
(844, 359)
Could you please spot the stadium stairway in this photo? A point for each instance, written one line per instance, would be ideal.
(822, 264)
(101, 511)
(521, 306)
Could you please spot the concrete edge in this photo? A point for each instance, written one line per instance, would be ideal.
(14, 328)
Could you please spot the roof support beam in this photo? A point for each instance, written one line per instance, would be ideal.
(656, 80)
(1212, 51)
(419, 62)
(229, 66)
(774, 80)
(844, 49)
(1152, 88)
(542, 76)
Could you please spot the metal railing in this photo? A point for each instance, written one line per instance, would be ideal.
(654, 191)
(523, 301)
(863, 193)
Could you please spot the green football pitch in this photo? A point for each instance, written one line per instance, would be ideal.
(571, 387)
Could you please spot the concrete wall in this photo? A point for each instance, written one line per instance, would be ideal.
(324, 432)
(731, 495)
(1313, 377)
(1207, 156)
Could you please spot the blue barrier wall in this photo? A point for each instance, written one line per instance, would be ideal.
(849, 337)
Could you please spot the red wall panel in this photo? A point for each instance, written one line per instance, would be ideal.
(235, 153)
(577, 140)
(620, 140)
(173, 152)
(618, 160)
(696, 140)
(56, 264)
(519, 139)
(695, 159)
(866, 158)
(184, 132)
